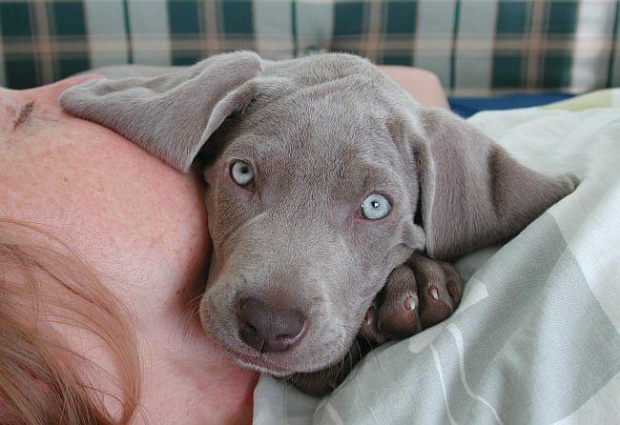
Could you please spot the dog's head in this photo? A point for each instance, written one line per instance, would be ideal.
(323, 176)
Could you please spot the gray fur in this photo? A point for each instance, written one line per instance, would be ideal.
(322, 133)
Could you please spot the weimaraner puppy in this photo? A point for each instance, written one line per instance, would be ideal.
(333, 200)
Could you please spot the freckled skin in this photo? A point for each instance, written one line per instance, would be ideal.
(111, 202)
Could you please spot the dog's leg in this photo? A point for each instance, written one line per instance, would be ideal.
(417, 295)
(440, 289)
(398, 312)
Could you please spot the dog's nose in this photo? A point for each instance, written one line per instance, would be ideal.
(266, 328)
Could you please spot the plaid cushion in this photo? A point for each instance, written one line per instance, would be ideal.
(475, 46)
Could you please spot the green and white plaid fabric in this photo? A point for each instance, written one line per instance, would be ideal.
(475, 46)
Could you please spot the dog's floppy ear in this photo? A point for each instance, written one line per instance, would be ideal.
(171, 115)
(473, 193)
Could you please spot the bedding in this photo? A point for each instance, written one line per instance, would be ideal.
(468, 106)
(535, 340)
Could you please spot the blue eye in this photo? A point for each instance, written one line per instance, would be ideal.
(375, 207)
(241, 173)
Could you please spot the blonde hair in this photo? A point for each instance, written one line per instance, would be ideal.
(45, 287)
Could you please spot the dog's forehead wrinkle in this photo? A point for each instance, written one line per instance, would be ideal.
(325, 135)
(282, 221)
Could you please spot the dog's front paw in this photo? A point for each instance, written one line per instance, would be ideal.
(417, 295)
(398, 313)
(440, 289)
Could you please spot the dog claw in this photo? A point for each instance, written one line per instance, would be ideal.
(432, 290)
(400, 318)
(440, 288)
(370, 315)
(451, 290)
(370, 329)
(409, 303)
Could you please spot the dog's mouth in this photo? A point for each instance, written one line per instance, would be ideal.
(281, 365)
(261, 364)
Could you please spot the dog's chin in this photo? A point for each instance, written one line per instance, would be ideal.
(263, 364)
(260, 365)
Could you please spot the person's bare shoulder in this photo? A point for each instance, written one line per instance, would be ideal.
(141, 225)
(424, 86)
(114, 202)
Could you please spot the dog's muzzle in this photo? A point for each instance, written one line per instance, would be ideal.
(267, 328)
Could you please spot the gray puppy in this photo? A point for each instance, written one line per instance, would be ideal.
(324, 178)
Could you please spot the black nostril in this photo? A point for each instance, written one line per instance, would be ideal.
(266, 328)
(250, 335)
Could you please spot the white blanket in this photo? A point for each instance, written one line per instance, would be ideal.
(535, 340)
